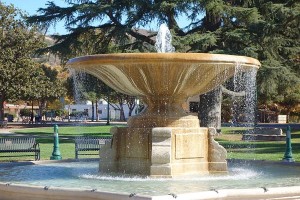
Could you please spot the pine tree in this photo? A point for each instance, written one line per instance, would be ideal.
(266, 30)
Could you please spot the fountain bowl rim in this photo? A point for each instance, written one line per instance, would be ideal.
(116, 58)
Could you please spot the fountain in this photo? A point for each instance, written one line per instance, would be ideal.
(163, 141)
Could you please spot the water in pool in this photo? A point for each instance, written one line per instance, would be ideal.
(85, 175)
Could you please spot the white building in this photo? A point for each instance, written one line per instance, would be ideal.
(86, 107)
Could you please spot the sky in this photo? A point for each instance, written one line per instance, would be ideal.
(31, 7)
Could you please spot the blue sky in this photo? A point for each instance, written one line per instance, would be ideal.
(31, 7)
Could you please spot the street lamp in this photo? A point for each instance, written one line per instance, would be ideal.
(288, 151)
(56, 153)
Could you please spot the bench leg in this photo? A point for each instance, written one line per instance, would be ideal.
(37, 156)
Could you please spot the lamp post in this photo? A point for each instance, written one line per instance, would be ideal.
(56, 153)
(288, 147)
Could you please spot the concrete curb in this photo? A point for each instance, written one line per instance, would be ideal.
(10, 191)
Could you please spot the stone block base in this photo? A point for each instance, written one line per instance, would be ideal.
(163, 152)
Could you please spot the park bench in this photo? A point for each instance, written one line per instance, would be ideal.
(24, 145)
(3, 124)
(87, 144)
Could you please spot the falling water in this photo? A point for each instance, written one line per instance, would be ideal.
(164, 40)
(244, 107)
(78, 78)
(163, 44)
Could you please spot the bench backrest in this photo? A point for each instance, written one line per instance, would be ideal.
(3, 123)
(84, 142)
(17, 143)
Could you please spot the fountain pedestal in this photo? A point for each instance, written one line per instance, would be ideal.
(164, 151)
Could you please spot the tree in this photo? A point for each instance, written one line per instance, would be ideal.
(50, 86)
(119, 100)
(93, 89)
(266, 30)
(278, 46)
(18, 43)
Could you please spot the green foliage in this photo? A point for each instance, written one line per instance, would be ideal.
(78, 114)
(266, 30)
(279, 41)
(18, 43)
(87, 87)
(60, 112)
(49, 86)
(25, 112)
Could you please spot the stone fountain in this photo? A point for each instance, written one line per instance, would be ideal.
(163, 140)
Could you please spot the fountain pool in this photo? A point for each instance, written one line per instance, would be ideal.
(68, 178)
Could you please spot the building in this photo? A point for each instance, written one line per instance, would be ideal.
(12, 111)
(84, 110)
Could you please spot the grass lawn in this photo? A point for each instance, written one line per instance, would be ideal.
(230, 139)
(256, 150)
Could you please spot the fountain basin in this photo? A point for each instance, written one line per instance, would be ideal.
(163, 80)
(62, 179)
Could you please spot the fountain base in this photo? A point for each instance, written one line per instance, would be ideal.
(163, 152)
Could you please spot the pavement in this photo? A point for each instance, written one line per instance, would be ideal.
(5, 131)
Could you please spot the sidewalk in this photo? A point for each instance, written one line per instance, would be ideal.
(5, 131)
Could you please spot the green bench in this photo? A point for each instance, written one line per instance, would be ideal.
(87, 145)
(25, 145)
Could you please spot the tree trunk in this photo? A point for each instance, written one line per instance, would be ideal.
(1, 108)
(131, 103)
(32, 114)
(122, 114)
(288, 114)
(42, 107)
(210, 106)
(93, 110)
(97, 114)
(210, 109)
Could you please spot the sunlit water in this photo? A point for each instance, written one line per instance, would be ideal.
(243, 108)
(85, 175)
(163, 42)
